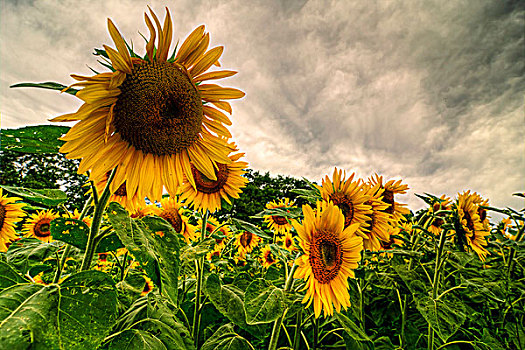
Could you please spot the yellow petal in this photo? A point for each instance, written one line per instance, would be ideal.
(201, 48)
(206, 61)
(189, 44)
(120, 44)
(117, 61)
(150, 46)
(214, 75)
(215, 114)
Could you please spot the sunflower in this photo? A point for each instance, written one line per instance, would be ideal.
(439, 219)
(38, 224)
(150, 209)
(10, 214)
(349, 196)
(172, 212)
(221, 231)
(207, 194)
(245, 242)
(471, 225)
(331, 253)
(397, 210)
(276, 223)
(267, 257)
(147, 118)
(148, 286)
(288, 242)
(132, 204)
(391, 241)
(216, 252)
(76, 215)
(376, 228)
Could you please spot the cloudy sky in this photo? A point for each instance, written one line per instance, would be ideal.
(430, 92)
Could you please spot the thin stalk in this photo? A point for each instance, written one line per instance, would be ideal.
(513, 252)
(361, 303)
(97, 219)
(403, 317)
(123, 269)
(200, 272)
(315, 324)
(297, 333)
(435, 282)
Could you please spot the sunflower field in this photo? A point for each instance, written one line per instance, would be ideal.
(160, 237)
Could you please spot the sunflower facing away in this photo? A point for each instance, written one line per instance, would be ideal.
(10, 214)
(152, 116)
(471, 225)
(245, 242)
(349, 196)
(38, 224)
(331, 254)
(172, 212)
(207, 194)
(439, 218)
(276, 223)
(397, 210)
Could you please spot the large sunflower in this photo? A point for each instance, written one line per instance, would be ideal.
(173, 213)
(151, 116)
(331, 253)
(470, 223)
(207, 194)
(276, 223)
(38, 225)
(392, 187)
(10, 214)
(349, 196)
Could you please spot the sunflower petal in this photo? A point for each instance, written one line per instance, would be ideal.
(121, 45)
(206, 61)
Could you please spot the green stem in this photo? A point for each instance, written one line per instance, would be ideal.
(200, 272)
(315, 323)
(123, 269)
(402, 304)
(435, 283)
(95, 225)
(513, 252)
(361, 303)
(297, 333)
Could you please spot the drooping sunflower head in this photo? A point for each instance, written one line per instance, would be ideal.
(245, 242)
(349, 196)
(391, 188)
(38, 225)
(173, 212)
(219, 231)
(470, 226)
(277, 223)
(10, 213)
(267, 257)
(331, 254)
(206, 194)
(148, 117)
(439, 217)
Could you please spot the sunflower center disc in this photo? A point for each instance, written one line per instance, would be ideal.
(208, 186)
(42, 228)
(2, 216)
(326, 256)
(246, 239)
(280, 220)
(388, 198)
(173, 217)
(269, 257)
(159, 110)
(345, 204)
(470, 223)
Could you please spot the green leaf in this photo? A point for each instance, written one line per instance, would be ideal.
(246, 226)
(445, 315)
(228, 299)
(263, 302)
(29, 252)
(154, 243)
(152, 315)
(76, 232)
(135, 339)
(226, 339)
(47, 197)
(47, 85)
(352, 329)
(8, 276)
(33, 139)
(74, 315)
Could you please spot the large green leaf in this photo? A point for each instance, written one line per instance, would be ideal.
(263, 302)
(74, 315)
(150, 315)
(8, 276)
(226, 339)
(29, 252)
(33, 139)
(228, 299)
(136, 339)
(48, 197)
(154, 243)
(47, 85)
(75, 232)
(352, 329)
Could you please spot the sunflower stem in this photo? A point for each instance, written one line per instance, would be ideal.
(435, 282)
(315, 323)
(297, 333)
(95, 225)
(200, 272)
(66, 252)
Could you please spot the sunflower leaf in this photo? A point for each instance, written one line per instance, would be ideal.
(41, 139)
(47, 85)
(263, 302)
(225, 338)
(352, 329)
(8, 276)
(154, 243)
(48, 197)
(29, 252)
